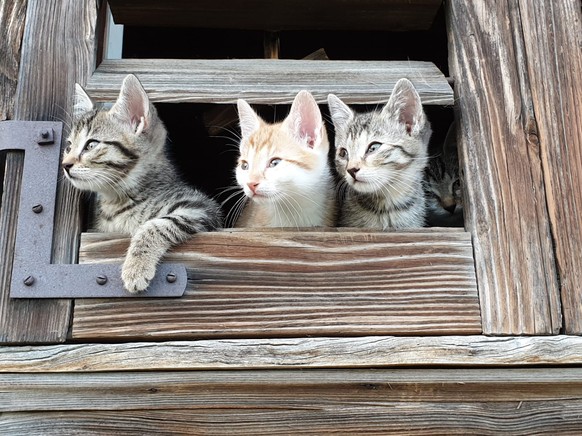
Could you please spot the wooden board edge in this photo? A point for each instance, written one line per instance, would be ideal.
(305, 353)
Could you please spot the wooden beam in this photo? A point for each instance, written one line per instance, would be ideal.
(553, 41)
(44, 93)
(453, 401)
(268, 81)
(304, 353)
(506, 206)
(391, 15)
(291, 283)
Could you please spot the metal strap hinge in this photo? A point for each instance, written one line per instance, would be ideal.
(33, 274)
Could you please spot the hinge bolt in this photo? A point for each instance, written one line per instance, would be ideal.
(171, 277)
(37, 208)
(29, 281)
(101, 279)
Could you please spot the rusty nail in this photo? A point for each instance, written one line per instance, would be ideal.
(101, 279)
(171, 277)
(37, 208)
(29, 281)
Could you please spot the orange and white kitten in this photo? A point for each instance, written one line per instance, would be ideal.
(283, 168)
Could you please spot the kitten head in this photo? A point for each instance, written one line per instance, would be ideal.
(382, 151)
(107, 149)
(443, 186)
(282, 160)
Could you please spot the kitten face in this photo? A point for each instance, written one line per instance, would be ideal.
(104, 147)
(443, 186)
(281, 162)
(381, 152)
(272, 166)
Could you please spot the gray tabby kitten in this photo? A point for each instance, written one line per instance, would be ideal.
(443, 186)
(380, 157)
(120, 155)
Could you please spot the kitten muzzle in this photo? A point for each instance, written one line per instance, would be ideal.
(352, 172)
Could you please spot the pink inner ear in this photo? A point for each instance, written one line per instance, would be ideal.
(306, 121)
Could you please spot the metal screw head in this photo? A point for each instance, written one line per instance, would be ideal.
(101, 279)
(46, 137)
(37, 208)
(29, 281)
(171, 277)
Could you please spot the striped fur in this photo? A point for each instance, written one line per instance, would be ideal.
(380, 159)
(283, 168)
(120, 155)
(443, 187)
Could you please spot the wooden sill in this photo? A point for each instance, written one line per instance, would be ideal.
(266, 284)
(268, 81)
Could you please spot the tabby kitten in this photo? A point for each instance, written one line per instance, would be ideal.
(443, 187)
(283, 168)
(120, 155)
(380, 158)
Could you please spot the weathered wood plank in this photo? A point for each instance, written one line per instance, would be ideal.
(12, 15)
(285, 283)
(44, 93)
(281, 389)
(417, 401)
(392, 15)
(553, 41)
(305, 353)
(12, 18)
(506, 208)
(268, 81)
(458, 417)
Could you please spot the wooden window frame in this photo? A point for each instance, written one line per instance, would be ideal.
(513, 234)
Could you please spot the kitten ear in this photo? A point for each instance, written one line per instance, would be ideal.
(133, 105)
(82, 103)
(340, 112)
(249, 120)
(304, 121)
(405, 106)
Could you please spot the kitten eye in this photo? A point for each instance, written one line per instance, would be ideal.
(244, 165)
(68, 148)
(90, 145)
(274, 162)
(342, 153)
(373, 147)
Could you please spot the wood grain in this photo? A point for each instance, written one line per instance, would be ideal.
(492, 401)
(44, 92)
(457, 417)
(553, 41)
(304, 353)
(268, 81)
(392, 15)
(285, 283)
(12, 17)
(506, 205)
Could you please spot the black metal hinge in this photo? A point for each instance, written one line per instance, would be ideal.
(33, 275)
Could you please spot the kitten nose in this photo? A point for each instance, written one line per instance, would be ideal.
(67, 166)
(450, 208)
(353, 172)
(253, 186)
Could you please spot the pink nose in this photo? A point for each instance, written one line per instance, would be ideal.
(253, 187)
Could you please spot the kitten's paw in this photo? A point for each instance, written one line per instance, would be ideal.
(137, 274)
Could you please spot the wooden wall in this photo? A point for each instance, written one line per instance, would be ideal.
(518, 72)
(44, 92)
